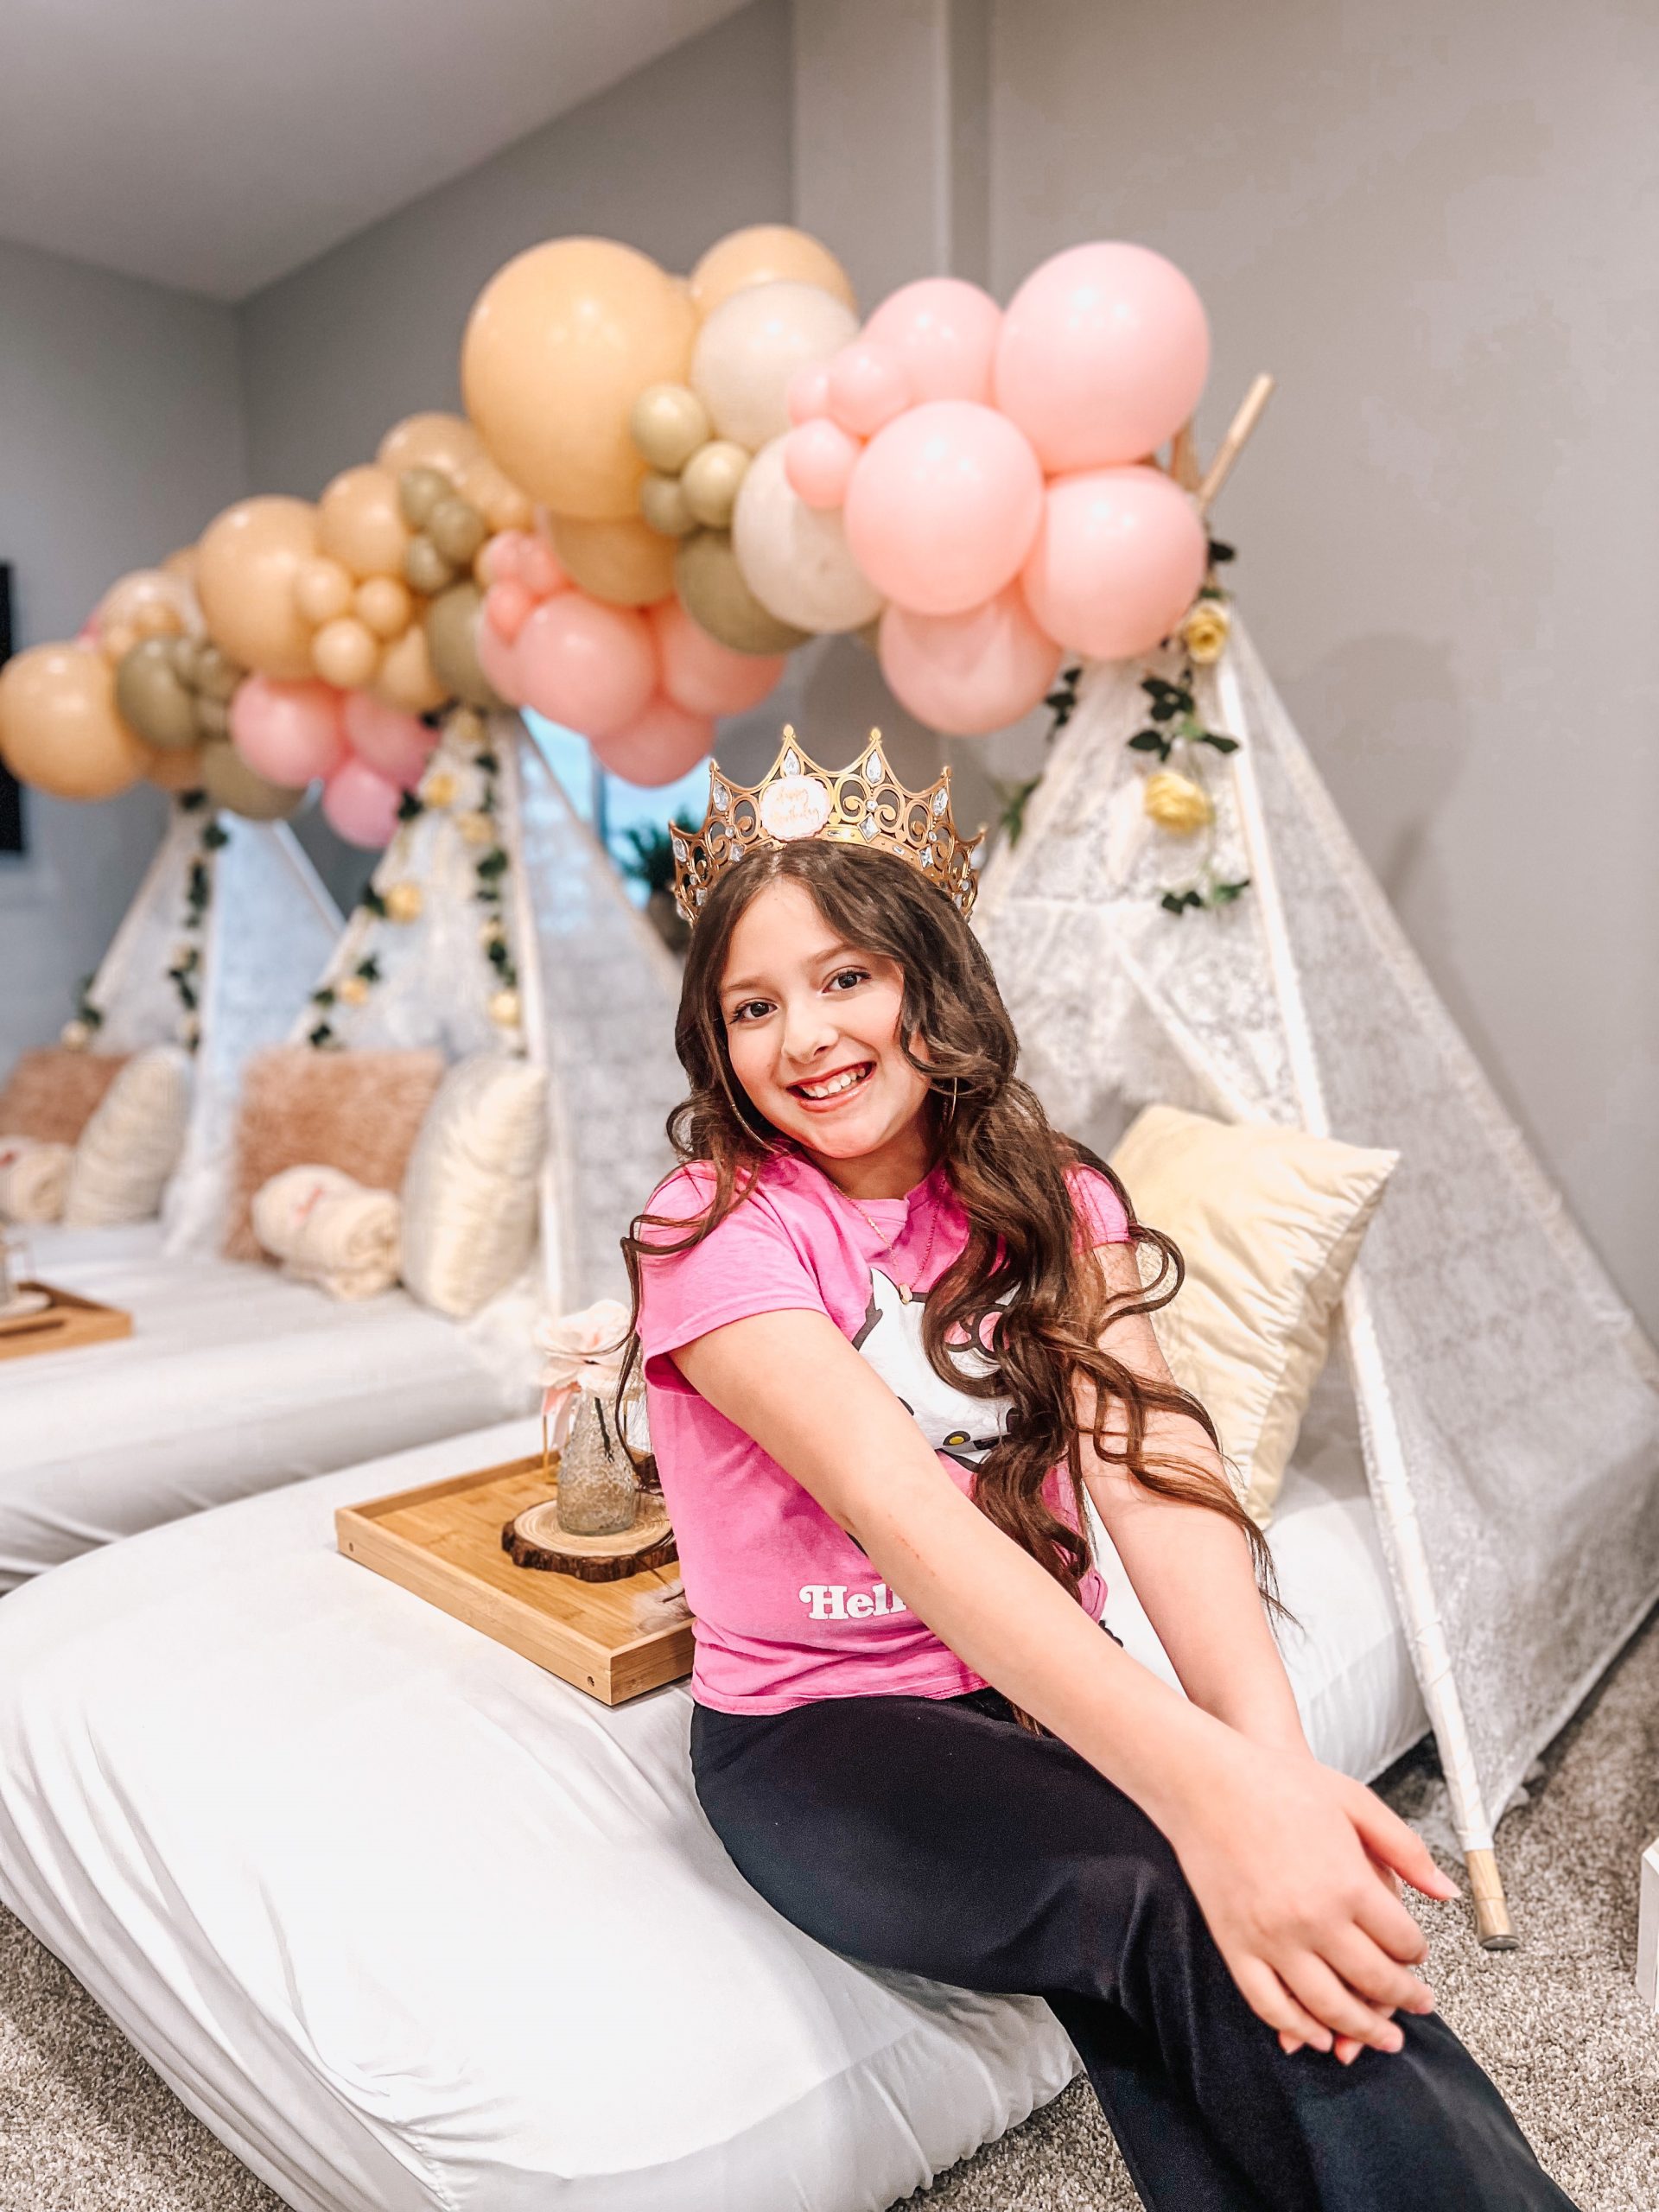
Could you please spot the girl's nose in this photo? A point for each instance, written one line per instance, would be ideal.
(807, 1030)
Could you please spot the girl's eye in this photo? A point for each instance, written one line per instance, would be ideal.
(848, 977)
(747, 1011)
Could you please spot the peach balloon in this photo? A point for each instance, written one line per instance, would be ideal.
(501, 557)
(507, 607)
(943, 505)
(557, 347)
(248, 559)
(760, 255)
(147, 603)
(289, 733)
(60, 731)
(394, 744)
(406, 678)
(498, 659)
(182, 565)
(703, 675)
(868, 386)
(968, 673)
(176, 772)
(360, 806)
(322, 590)
(446, 442)
(1104, 353)
(660, 744)
(485, 486)
(945, 334)
(1117, 561)
(808, 394)
(539, 568)
(819, 459)
(589, 666)
(360, 522)
(346, 653)
(625, 563)
(383, 604)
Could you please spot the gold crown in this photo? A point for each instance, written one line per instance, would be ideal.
(865, 805)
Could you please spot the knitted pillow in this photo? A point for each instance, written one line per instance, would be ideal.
(132, 1144)
(52, 1093)
(356, 1110)
(470, 1194)
(1268, 1222)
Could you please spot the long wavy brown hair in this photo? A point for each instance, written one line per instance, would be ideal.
(1007, 1168)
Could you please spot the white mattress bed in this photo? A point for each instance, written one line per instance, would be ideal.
(412, 1925)
(233, 1380)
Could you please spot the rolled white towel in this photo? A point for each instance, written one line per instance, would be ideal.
(34, 1178)
(329, 1230)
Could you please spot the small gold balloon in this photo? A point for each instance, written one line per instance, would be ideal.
(384, 605)
(346, 653)
(668, 424)
(217, 675)
(425, 570)
(419, 491)
(663, 505)
(186, 654)
(212, 717)
(230, 782)
(150, 698)
(452, 645)
(176, 772)
(404, 902)
(713, 594)
(710, 480)
(458, 530)
(354, 989)
(495, 495)
(406, 678)
(322, 590)
(503, 1008)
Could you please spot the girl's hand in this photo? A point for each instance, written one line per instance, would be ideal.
(1284, 1856)
(1346, 2048)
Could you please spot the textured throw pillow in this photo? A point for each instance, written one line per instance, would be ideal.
(470, 1195)
(132, 1143)
(52, 1093)
(359, 1111)
(1268, 1222)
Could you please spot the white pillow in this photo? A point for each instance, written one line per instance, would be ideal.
(132, 1145)
(470, 1188)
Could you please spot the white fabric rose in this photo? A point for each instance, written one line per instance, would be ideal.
(580, 1352)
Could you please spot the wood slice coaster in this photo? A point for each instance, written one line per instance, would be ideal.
(534, 1538)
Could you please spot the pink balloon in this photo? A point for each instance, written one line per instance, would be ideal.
(507, 607)
(818, 460)
(395, 745)
(499, 661)
(942, 507)
(660, 744)
(808, 394)
(944, 332)
(968, 673)
(288, 732)
(359, 805)
(503, 555)
(868, 386)
(539, 569)
(1117, 561)
(1104, 353)
(589, 666)
(700, 675)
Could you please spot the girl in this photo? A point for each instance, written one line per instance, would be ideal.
(893, 1326)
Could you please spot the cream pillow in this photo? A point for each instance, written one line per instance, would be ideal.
(1268, 1222)
(131, 1143)
(470, 1190)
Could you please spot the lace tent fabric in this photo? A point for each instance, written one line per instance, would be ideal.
(1508, 1403)
(595, 989)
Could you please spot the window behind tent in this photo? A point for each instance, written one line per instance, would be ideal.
(11, 798)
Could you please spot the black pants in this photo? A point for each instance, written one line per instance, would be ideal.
(939, 1837)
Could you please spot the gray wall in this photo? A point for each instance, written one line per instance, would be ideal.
(1436, 227)
(120, 434)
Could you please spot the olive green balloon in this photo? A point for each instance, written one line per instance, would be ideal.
(419, 491)
(217, 675)
(710, 480)
(662, 503)
(712, 593)
(186, 654)
(425, 570)
(150, 698)
(457, 528)
(451, 629)
(668, 423)
(230, 782)
(213, 716)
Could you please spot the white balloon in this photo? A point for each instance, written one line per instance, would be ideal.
(754, 343)
(795, 559)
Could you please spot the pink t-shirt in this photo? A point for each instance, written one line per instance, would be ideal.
(788, 1608)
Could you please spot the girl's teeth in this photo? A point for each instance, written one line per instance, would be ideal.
(829, 1090)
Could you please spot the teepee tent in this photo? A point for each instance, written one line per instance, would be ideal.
(495, 921)
(1508, 1402)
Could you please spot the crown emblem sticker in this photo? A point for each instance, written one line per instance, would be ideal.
(794, 807)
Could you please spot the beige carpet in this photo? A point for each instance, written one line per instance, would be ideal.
(86, 2125)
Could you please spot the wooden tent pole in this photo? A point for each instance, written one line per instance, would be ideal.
(1233, 444)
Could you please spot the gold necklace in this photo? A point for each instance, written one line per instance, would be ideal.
(905, 1289)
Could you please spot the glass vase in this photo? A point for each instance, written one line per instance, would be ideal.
(599, 1492)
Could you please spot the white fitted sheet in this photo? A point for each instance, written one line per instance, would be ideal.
(234, 1380)
(412, 1925)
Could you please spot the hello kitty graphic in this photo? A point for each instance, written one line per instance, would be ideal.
(963, 1428)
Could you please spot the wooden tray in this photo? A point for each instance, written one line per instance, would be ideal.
(443, 1541)
(67, 1320)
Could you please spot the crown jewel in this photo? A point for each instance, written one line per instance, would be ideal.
(863, 804)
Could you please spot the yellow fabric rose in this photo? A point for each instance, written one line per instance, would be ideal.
(1177, 803)
(503, 1008)
(404, 902)
(354, 990)
(438, 789)
(1205, 630)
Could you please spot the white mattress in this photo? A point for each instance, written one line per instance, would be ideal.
(412, 1925)
(233, 1380)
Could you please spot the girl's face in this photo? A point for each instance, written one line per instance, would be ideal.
(812, 1027)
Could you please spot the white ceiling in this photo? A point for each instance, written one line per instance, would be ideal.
(216, 144)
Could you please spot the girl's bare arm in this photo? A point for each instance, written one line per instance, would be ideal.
(1274, 1844)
